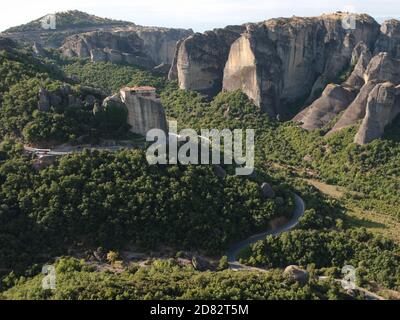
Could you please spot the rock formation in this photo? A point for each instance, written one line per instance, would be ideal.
(334, 100)
(65, 97)
(360, 59)
(267, 191)
(275, 62)
(145, 111)
(356, 110)
(374, 78)
(200, 59)
(382, 69)
(296, 274)
(382, 107)
(389, 39)
(108, 46)
(254, 68)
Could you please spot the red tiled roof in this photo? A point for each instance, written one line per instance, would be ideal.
(140, 88)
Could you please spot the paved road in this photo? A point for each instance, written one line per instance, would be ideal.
(298, 212)
(234, 250)
(70, 150)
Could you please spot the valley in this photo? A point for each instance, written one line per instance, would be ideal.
(77, 191)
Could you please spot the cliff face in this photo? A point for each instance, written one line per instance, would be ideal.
(200, 60)
(375, 105)
(382, 107)
(108, 46)
(254, 67)
(144, 112)
(334, 100)
(160, 43)
(389, 39)
(145, 47)
(275, 62)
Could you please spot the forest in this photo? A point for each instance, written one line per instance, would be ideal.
(110, 200)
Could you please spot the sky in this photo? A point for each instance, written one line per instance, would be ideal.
(200, 15)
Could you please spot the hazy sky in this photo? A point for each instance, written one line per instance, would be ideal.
(197, 14)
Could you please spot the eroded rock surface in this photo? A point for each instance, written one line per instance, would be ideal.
(389, 38)
(275, 62)
(333, 101)
(108, 46)
(145, 111)
(200, 60)
(382, 107)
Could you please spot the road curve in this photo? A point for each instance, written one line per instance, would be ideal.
(234, 250)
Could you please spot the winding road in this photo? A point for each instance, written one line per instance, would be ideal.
(235, 249)
(298, 212)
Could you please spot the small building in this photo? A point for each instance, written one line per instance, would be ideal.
(143, 91)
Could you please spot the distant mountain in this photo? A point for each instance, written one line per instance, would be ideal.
(70, 19)
(83, 35)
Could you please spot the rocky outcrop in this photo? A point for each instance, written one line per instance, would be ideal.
(200, 60)
(219, 172)
(108, 46)
(314, 51)
(275, 62)
(389, 39)
(266, 191)
(372, 97)
(145, 111)
(65, 97)
(297, 274)
(356, 110)
(360, 59)
(254, 68)
(141, 46)
(382, 107)
(333, 101)
(382, 68)
(158, 44)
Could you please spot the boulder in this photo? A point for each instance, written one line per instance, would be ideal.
(219, 171)
(200, 264)
(297, 274)
(267, 191)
